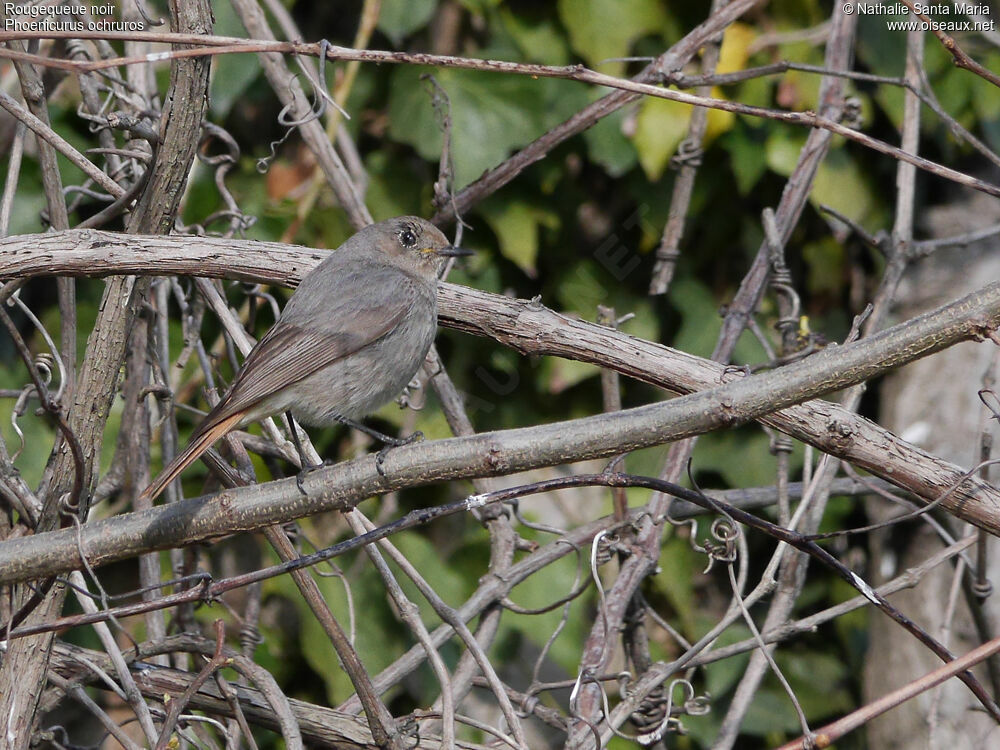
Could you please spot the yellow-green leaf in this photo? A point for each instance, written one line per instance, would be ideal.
(735, 48)
(660, 127)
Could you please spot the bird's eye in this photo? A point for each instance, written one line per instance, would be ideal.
(407, 238)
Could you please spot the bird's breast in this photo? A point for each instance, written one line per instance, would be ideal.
(371, 377)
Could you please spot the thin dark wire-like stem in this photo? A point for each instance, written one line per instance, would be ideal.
(791, 538)
(907, 580)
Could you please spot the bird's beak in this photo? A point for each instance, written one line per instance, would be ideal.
(453, 252)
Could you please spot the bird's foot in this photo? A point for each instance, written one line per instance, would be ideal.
(305, 471)
(390, 443)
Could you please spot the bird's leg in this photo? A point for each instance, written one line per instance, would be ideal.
(387, 440)
(396, 442)
(304, 463)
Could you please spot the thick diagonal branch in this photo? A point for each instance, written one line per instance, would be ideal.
(510, 451)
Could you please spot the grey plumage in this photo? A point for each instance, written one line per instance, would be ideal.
(351, 337)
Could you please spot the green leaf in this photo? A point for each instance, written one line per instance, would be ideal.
(746, 154)
(433, 424)
(891, 99)
(539, 591)
(660, 127)
(840, 182)
(676, 576)
(559, 374)
(400, 18)
(608, 145)
(715, 452)
(851, 627)
(29, 201)
(516, 224)
(491, 115)
(756, 92)
(721, 675)
(449, 582)
(770, 712)
(984, 98)
(818, 680)
(782, 150)
(38, 435)
(954, 90)
(700, 320)
(478, 7)
(735, 49)
(582, 289)
(815, 679)
(541, 42)
(377, 628)
(231, 74)
(825, 261)
(602, 29)
(391, 191)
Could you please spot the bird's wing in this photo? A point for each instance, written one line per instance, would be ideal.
(313, 332)
(293, 350)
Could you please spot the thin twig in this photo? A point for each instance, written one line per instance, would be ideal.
(380, 721)
(577, 73)
(46, 133)
(827, 735)
(176, 705)
(688, 160)
(962, 59)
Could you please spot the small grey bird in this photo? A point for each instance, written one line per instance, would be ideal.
(351, 337)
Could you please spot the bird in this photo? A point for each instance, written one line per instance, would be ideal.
(350, 338)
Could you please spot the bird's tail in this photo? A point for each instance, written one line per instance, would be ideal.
(200, 442)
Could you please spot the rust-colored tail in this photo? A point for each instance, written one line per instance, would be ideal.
(201, 441)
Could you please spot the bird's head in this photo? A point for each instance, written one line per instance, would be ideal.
(412, 243)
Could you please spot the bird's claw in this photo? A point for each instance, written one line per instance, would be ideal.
(414, 437)
(306, 471)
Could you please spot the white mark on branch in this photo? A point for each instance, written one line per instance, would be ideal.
(864, 588)
(476, 501)
(129, 286)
